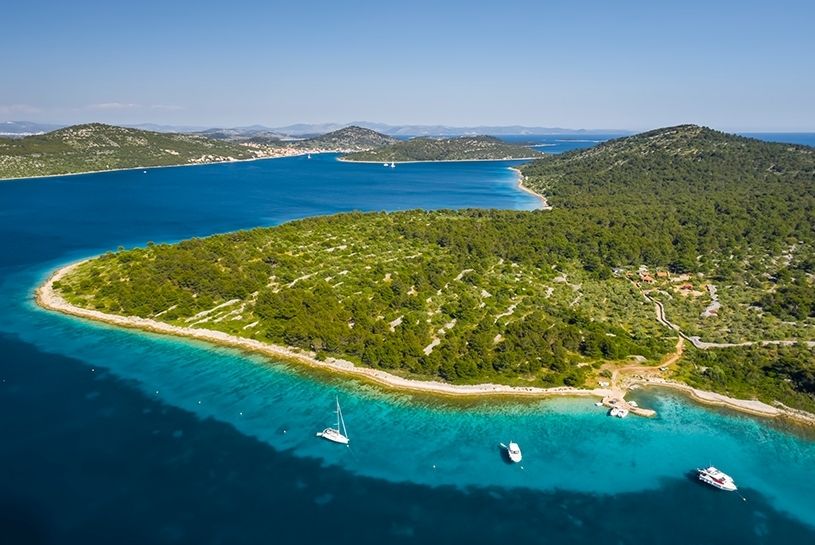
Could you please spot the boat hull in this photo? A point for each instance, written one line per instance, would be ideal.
(333, 435)
(514, 452)
(715, 478)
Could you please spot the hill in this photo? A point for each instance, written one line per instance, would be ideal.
(462, 148)
(95, 147)
(239, 136)
(346, 139)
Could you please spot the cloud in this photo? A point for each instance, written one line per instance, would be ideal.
(112, 106)
(162, 107)
(19, 108)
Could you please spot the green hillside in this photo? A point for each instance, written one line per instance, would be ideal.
(94, 147)
(463, 148)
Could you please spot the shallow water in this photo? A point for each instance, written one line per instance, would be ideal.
(115, 435)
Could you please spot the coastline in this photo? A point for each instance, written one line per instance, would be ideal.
(752, 407)
(47, 298)
(544, 203)
(438, 161)
(161, 166)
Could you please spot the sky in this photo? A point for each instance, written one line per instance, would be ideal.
(628, 65)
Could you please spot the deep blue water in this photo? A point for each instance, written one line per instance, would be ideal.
(805, 138)
(558, 143)
(113, 436)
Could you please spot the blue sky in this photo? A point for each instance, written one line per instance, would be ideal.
(731, 65)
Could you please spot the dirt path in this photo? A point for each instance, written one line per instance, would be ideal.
(647, 370)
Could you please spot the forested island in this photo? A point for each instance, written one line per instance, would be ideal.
(96, 147)
(717, 229)
(461, 148)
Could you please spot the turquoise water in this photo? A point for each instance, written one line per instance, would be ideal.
(123, 435)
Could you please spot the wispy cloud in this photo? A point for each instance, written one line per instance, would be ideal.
(162, 107)
(112, 106)
(19, 108)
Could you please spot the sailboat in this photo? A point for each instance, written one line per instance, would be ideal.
(335, 434)
(392, 165)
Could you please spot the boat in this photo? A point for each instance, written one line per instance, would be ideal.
(392, 165)
(712, 476)
(309, 156)
(618, 412)
(514, 451)
(338, 435)
(385, 164)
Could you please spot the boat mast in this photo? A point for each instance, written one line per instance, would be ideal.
(341, 420)
(338, 413)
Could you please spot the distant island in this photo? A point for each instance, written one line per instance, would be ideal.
(97, 147)
(461, 148)
(680, 257)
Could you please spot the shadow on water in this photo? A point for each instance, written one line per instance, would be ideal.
(504, 453)
(89, 459)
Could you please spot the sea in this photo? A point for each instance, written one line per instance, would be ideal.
(109, 435)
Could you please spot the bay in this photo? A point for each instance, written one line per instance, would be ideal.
(121, 436)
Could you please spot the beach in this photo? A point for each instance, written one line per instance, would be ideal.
(49, 299)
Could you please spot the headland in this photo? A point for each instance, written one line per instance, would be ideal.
(613, 396)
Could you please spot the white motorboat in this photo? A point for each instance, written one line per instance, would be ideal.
(338, 435)
(712, 476)
(514, 451)
(618, 412)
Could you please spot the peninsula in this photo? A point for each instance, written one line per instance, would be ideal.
(681, 234)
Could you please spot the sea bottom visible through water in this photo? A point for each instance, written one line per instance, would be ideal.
(114, 435)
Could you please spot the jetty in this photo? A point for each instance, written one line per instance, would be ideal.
(617, 401)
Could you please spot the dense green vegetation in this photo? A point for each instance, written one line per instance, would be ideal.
(94, 147)
(769, 373)
(462, 148)
(718, 228)
(694, 190)
(463, 296)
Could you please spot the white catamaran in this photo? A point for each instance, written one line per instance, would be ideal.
(338, 435)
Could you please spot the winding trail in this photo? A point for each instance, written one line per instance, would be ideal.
(702, 345)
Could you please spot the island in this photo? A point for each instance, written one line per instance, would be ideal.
(98, 147)
(461, 148)
(681, 257)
